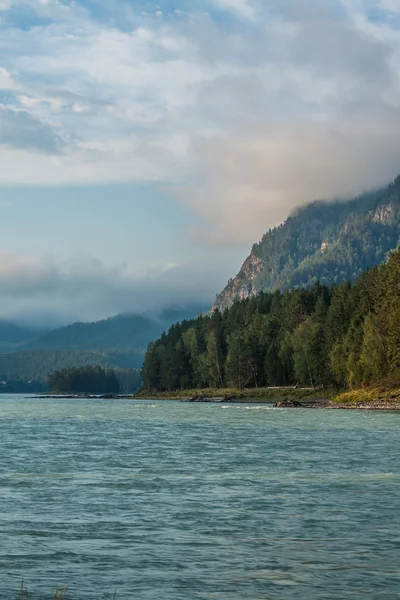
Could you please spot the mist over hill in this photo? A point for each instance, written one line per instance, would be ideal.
(14, 335)
(117, 342)
(330, 242)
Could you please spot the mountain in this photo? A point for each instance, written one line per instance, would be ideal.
(123, 332)
(330, 242)
(13, 335)
(118, 342)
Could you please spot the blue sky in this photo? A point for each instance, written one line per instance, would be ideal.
(144, 146)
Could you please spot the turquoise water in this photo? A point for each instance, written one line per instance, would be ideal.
(171, 501)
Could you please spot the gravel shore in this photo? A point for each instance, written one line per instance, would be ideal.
(378, 405)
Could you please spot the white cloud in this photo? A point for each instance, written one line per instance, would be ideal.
(257, 178)
(44, 7)
(242, 8)
(47, 8)
(6, 81)
(390, 5)
(79, 108)
(39, 287)
(259, 116)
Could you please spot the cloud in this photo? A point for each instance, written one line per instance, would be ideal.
(390, 5)
(6, 81)
(297, 101)
(85, 288)
(242, 8)
(43, 8)
(20, 129)
(325, 125)
(255, 180)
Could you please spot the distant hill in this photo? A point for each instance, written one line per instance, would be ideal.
(13, 335)
(118, 342)
(35, 365)
(330, 242)
(125, 332)
(122, 334)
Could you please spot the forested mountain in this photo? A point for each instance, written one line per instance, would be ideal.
(127, 332)
(119, 343)
(343, 335)
(13, 335)
(329, 242)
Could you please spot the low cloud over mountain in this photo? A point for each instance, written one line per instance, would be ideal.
(41, 291)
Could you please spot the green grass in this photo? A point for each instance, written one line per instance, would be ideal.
(369, 395)
(384, 393)
(251, 394)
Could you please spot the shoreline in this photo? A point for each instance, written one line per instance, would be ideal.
(378, 406)
(368, 399)
(290, 398)
(323, 404)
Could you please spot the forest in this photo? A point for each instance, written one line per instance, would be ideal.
(345, 335)
(90, 380)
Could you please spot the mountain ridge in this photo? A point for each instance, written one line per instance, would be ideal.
(330, 242)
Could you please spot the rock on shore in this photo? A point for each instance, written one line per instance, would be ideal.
(216, 399)
(375, 405)
(288, 404)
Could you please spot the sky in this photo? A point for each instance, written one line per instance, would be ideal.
(145, 146)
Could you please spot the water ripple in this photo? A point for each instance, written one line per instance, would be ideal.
(197, 502)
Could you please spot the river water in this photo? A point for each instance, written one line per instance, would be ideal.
(173, 501)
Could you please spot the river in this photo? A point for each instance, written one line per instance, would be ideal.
(173, 501)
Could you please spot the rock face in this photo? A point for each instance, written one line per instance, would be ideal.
(243, 285)
(384, 214)
(329, 242)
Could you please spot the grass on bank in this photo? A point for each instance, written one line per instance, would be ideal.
(248, 394)
(369, 395)
(386, 393)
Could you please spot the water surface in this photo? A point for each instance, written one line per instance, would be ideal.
(173, 501)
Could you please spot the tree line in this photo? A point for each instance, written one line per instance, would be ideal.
(35, 365)
(90, 380)
(346, 335)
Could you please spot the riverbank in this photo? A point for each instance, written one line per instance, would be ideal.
(374, 398)
(61, 396)
(377, 398)
(267, 395)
